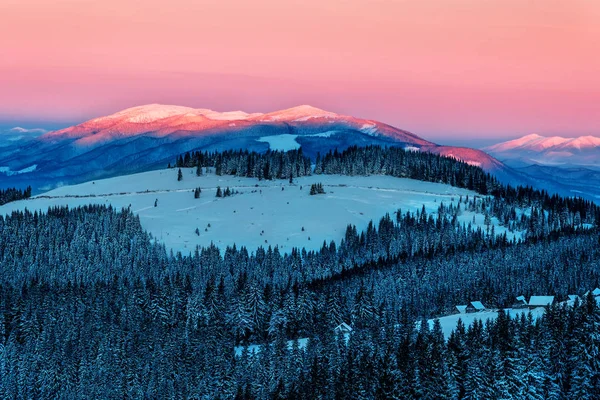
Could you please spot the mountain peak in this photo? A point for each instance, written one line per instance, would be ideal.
(307, 109)
(532, 136)
(300, 113)
(584, 142)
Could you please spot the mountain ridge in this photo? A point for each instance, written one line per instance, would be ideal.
(538, 149)
(146, 137)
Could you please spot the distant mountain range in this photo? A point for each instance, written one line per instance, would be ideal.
(148, 137)
(569, 166)
(540, 150)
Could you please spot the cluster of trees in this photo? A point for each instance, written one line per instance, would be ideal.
(91, 306)
(555, 357)
(269, 165)
(224, 193)
(12, 194)
(316, 188)
(502, 201)
(395, 161)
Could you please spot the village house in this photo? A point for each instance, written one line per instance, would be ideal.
(520, 303)
(461, 309)
(540, 301)
(475, 306)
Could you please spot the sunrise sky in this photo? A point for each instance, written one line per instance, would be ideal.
(440, 68)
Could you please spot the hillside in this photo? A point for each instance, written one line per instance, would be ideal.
(149, 137)
(263, 213)
(89, 289)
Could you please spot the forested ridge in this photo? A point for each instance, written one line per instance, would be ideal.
(91, 306)
(392, 161)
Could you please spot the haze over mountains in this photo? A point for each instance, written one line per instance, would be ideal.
(148, 137)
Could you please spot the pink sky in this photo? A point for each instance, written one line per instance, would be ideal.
(437, 67)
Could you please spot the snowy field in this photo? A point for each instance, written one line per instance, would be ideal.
(448, 322)
(260, 214)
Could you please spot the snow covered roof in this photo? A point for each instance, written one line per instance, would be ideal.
(478, 305)
(596, 292)
(522, 299)
(573, 297)
(461, 309)
(343, 327)
(541, 300)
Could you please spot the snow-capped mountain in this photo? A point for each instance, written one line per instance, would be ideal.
(150, 136)
(157, 120)
(540, 150)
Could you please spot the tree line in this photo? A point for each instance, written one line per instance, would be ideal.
(13, 194)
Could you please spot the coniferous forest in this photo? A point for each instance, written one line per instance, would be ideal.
(91, 306)
(12, 194)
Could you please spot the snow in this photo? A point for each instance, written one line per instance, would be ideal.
(583, 142)
(284, 142)
(324, 134)
(470, 162)
(448, 322)
(298, 114)
(411, 148)
(255, 348)
(540, 300)
(149, 113)
(260, 206)
(7, 171)
(369, 129)
(536, 142)
(154, 112)
(461, 309)
(18, 129)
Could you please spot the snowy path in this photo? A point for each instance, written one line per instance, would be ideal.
(238, 187)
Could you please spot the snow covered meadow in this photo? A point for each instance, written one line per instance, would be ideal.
(263, 213)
